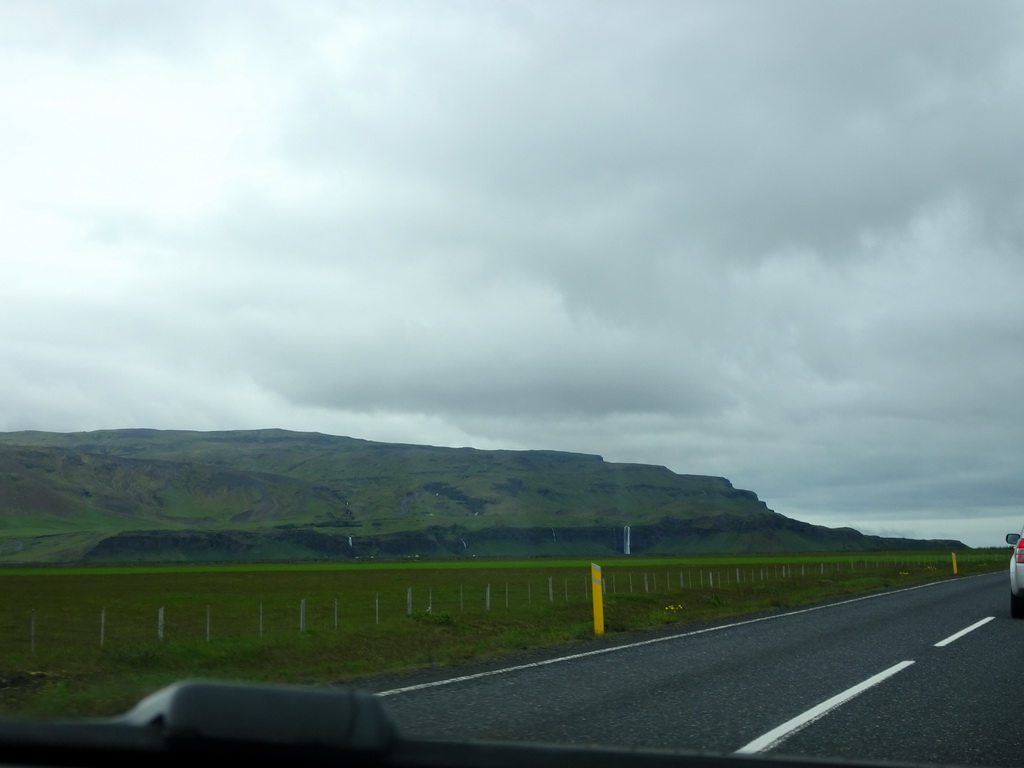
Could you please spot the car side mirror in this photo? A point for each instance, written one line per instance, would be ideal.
(1012, 539)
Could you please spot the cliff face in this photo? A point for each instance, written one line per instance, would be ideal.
(771, 533)
(269, 494)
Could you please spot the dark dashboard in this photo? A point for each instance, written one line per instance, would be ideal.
(199, 720)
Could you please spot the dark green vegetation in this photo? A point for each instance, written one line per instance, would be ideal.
(74, 642)
(149, 495)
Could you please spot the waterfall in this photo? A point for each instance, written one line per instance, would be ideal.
(625, 540)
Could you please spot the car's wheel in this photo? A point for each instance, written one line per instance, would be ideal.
(1017, 607)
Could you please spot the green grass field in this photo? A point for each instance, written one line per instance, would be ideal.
(86, 641)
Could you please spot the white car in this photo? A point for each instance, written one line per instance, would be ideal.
(1016, 575)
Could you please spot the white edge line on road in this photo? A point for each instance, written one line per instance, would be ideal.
(963, 632)
(574, 656)
(777, 735)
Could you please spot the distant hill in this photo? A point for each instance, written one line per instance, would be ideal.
(140, 494)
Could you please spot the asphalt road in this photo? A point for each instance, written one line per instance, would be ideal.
(860, 679)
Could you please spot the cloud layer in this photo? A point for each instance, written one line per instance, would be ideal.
(776, 242)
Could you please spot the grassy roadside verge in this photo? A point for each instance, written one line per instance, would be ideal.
(90, 643)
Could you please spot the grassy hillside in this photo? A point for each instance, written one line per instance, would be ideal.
(266, 476)
(273, 494)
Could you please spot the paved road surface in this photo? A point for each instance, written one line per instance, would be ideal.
(863, 679)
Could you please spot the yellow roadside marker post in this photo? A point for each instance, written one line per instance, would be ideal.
(597, 591)
(954, 563)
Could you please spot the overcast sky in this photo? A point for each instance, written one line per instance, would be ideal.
(780, 242)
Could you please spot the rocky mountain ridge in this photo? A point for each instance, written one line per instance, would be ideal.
(137, 495)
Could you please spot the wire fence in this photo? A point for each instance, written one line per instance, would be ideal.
(65, 613)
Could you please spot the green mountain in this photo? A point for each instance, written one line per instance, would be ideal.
(140, 494)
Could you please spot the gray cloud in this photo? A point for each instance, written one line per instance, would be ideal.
(776, 242)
